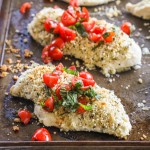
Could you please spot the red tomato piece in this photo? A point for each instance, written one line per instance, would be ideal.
(25, 116)
(56, 73)
(49, 104)
(85, 75)
(109, 38)
(98, 29)
(50, 80)
(80, 109)
(88, 25)
(58, 42)
(125, 27)
(74, 80)
(45, 56)
(67, 87)
(58, 92)
(55, 53)
(60, 67)
(74, 3)
(84, 15)
(72, 12)
(67, 19)
(87, 82)
(57, 29)
(41, 134)
(95, 37)
(67, 34)
(72, 68)
(24, 7)
(49, 24)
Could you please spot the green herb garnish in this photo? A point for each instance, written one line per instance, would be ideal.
(69, 99)
(106, 34)
(69, 71)
(98, 45)
(86, 107)
(90, 92)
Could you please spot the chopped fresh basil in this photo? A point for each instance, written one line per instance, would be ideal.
(48, 92)
(98, 45)
(72, 27)
(86, 107)
(42, 103)
(78, 84)
(69, 71)
(69, 99)
(80, 29)
(90, 92)
(106, 34)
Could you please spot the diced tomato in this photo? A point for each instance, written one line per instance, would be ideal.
(67, 87)
(58, 92)
(110, 36)
(67, 19)
(88, 25)
(71, 11)
(98, 29)
(55, 53)
(74, 80)
(57, 29)
(80, 109)
(49, 24)
(24, 7)
(56, 73)
(67, 34)
(74, 3)
(72, 68)
(125, 27)
(95, 37)
(49, 104)
(50, 80)
(60, 67)
(25, 116)
(87, 82)
(58, 42)
(85, 75)
(45, 56)
(41, 134)
(84, 15)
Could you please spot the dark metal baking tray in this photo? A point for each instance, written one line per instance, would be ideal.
(10, 20)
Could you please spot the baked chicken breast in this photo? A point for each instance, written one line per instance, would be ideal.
(102, 112)
(119, 55)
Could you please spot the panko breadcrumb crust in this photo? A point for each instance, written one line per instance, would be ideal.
(107, 116)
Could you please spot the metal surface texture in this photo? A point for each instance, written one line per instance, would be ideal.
(11, 20)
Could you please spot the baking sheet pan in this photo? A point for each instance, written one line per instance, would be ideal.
(11, 20)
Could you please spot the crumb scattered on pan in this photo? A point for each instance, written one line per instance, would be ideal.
(15, 77)
(27, 53)
(15, 128)
(17, 120)
(140, 81)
